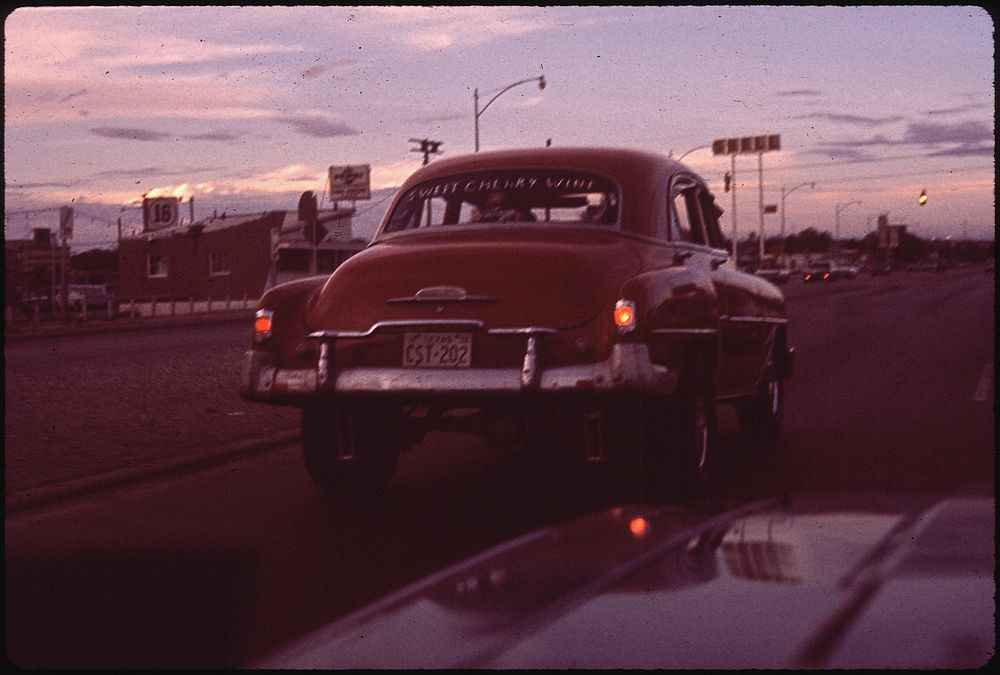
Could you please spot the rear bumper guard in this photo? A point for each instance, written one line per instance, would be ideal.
(628, 369)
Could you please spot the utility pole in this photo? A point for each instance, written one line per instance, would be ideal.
(427, 147)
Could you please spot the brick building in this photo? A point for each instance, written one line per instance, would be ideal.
(33, 268)
(229, 257)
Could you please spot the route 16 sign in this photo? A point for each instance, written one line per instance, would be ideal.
(160, 213)
(350, 182)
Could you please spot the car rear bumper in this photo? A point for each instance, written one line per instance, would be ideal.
(629, 369)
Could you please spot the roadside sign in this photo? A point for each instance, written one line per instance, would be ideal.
(737, 146)
(159, 213)
(66, 222)
(350, 182)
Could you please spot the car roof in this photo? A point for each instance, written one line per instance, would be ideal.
(619, 162)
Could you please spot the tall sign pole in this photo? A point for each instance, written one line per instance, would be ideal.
(733, 183)
(65, 232)
(760, 207)
(744, 145)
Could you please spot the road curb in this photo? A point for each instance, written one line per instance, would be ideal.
(46, 495)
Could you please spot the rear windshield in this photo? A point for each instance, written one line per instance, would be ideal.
(514, 196)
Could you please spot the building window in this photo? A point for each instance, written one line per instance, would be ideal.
(156, 265)
(218, 262)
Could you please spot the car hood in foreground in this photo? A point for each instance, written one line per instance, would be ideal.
(767, 586)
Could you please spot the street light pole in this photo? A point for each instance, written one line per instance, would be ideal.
(475, 99)
(700, 147)
(732, 174)
(836, 224)
(785, 193)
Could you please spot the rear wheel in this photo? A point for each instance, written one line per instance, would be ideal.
(350, 450)
(760, 415)
(679, 451)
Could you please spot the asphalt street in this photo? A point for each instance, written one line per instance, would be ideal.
(214, 565)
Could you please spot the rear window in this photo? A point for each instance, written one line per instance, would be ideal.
(525, 196)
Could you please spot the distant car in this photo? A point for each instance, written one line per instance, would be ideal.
(885, 583)
(91, 296)
(879, 269)
(819, 271)
(579, 298)
(844, 270)
(775, 274)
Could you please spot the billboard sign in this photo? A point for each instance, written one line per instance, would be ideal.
(350, 182)
(746, 144)
(159, 213)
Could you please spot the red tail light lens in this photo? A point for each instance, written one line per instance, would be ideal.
(262, 325)
(624, 316)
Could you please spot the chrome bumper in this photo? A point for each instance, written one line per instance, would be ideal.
(628, 369)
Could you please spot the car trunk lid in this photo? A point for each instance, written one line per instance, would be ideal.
(504, 277)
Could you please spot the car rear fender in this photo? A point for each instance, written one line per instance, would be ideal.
(678, 315)
(289, 304)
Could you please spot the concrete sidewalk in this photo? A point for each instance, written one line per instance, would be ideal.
(28, 330)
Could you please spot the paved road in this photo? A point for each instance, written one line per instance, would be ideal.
(214, 568)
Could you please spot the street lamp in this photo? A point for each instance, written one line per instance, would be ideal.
(836, 224)
(700, 147)
(785, 193)
(475, 95)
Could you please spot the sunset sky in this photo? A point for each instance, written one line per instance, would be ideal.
(244, 108)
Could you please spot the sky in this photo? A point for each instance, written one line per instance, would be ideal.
(244, 108)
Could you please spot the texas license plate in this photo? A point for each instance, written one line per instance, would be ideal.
(437, 350)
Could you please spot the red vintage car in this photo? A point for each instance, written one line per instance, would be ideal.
(573, 299)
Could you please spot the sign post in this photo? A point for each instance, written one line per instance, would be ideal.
(65, 232)
(745, 145)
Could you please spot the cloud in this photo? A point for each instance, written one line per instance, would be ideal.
(125, 133)
(435, 28)
(793, 93)
(963, 132)
(432, 119)
(316, 125)
(853, 119)
(133, 134)
(958, 109)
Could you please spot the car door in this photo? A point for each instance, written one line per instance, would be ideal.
(740, 328)
(694, 219)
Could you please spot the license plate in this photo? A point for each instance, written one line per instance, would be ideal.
(437, 350)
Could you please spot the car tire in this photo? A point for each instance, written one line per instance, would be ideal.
(350, 451)
(678, 459)
(760, 415)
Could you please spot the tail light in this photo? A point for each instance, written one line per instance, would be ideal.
(624, 316)
(262, 326)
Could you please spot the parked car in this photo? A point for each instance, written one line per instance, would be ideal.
(879, 269)
(774, 273)
(821, 270)
(844, 270)
(887, 582)
(579, 297)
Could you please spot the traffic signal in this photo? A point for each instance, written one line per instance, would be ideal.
(923, 197)
(727, 179)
